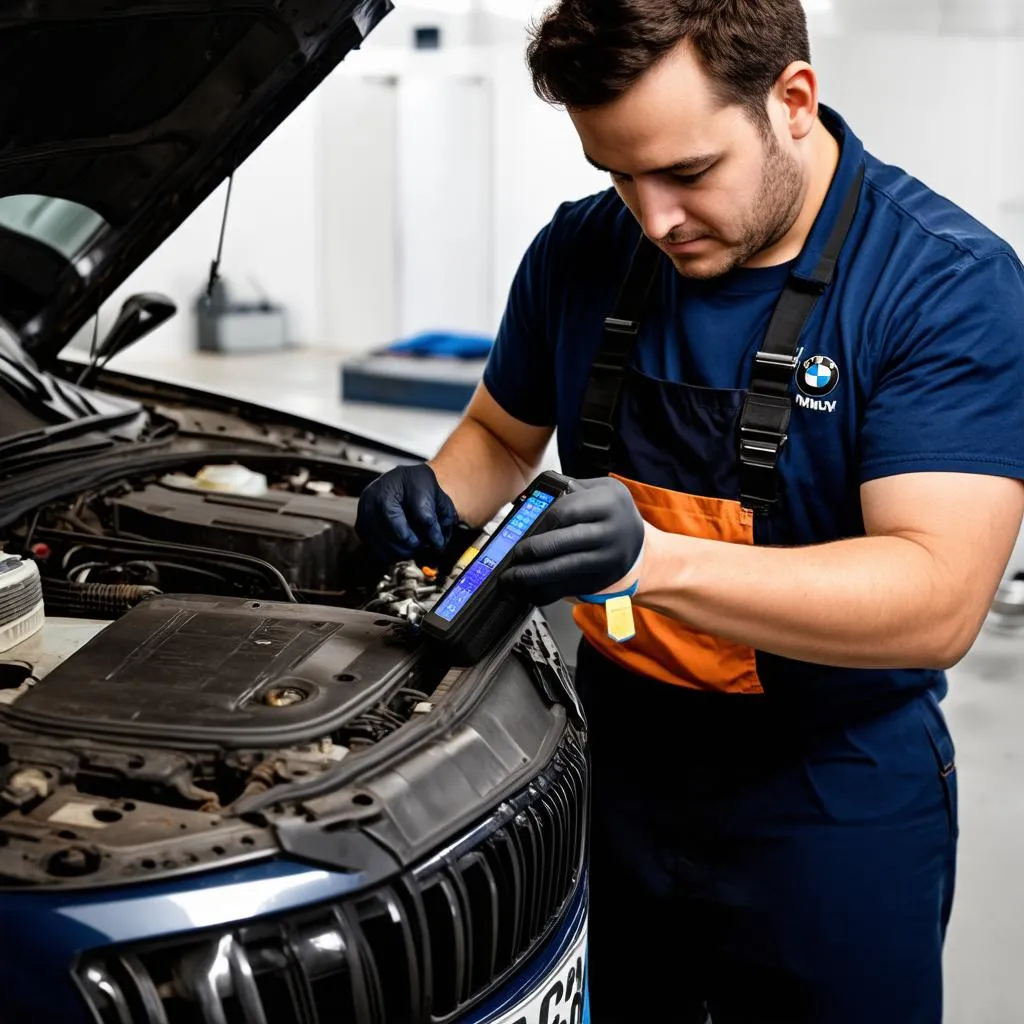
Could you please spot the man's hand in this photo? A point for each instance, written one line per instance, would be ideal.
(405, 511)
(589, 541)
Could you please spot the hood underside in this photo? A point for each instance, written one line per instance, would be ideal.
(129, 114)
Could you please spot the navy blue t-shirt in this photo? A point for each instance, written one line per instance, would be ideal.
(923, 324)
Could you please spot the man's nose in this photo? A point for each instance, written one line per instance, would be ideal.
(660, 209)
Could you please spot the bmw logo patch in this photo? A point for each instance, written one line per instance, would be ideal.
(817, 377)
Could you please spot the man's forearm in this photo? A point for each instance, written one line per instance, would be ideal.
(477, 471)
(873, 602)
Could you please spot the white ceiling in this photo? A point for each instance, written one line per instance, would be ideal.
(948, 17)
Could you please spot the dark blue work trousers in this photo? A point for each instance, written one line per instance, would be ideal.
(762, 874)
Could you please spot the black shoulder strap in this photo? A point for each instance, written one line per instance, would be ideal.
(598, 414)
(764, 421)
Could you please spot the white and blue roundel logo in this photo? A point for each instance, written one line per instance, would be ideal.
(817, 377)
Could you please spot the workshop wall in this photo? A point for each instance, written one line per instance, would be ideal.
(904, 93)
(350, 213)
(269, 245)
(945, 108)
(447, 225)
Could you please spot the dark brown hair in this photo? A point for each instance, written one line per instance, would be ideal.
(585, 53)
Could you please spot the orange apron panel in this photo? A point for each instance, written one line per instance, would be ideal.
(663, 648)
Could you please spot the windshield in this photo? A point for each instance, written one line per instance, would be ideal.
(59, 223)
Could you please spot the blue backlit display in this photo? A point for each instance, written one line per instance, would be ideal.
(490, 558)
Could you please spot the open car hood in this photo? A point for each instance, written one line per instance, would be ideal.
(120, 117)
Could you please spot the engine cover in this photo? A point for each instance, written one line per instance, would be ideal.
(307, 537)
(221, 672)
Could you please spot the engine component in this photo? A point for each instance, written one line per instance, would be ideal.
(175, 569)
(319, 487)
(93, 600)
(307, 537)
(25, 664)
(136, 572)
(21, 600)
(212, 672)
(407, 592)
(229, 479)
(25, 785)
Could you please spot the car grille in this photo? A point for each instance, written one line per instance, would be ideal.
(419, 949)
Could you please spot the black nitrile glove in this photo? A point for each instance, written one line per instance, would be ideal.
(589, 540)
(404, 512)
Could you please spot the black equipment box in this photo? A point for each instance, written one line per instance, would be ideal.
(307, 537)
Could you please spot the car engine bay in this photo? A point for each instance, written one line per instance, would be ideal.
(245, 680)
(291, 538)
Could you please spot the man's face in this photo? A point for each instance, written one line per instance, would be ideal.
(705, 183)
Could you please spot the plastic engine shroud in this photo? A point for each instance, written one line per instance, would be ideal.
(203, 670)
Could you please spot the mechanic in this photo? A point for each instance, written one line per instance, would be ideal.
(789, 378)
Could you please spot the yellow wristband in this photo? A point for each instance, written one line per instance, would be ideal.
(619, 617)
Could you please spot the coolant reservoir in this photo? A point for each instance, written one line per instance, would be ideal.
(233, 479)
(229, 479)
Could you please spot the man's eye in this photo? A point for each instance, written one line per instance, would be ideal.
(690, 179)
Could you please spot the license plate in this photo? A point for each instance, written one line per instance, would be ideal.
(560, 998)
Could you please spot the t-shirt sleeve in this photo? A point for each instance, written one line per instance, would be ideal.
(520, 371)
(950, 394)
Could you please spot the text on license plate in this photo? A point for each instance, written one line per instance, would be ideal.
(559, 998)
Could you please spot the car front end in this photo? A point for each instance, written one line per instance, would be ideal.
(237, 784)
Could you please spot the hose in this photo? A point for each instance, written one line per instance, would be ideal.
(139, 548)
(92, 600)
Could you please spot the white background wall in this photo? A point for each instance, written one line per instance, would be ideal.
(349, 213)
(444, 245)
(270, 241)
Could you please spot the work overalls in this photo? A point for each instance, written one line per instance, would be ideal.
(760, 852)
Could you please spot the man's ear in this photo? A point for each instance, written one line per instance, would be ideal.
(796, 92)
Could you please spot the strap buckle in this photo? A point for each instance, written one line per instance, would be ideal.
(761, 448)
(775, 368)
(596, 435)
(619, 326)
(617, 347)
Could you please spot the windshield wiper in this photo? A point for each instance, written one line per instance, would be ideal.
(51, 454)
(21, 444)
